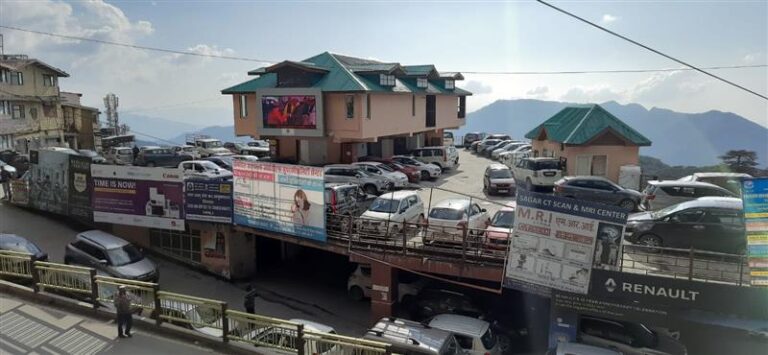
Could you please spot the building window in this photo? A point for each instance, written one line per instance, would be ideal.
(17, 112)
(243, 106)
(4, 76)
(462, 107)
(33, 113)
(450, 84)
(184, 245)
(349, 101)
(386, 80)
(5, 107)
(421, 83)
(68, 114)
(413, 105)
(368, 106)
(49, 80)
(17, 78)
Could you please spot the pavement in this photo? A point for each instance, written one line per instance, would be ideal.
(29, 328)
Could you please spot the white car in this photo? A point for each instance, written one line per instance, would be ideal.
(729, 181)
(390, 212)
(286, 338)
(250, 158)
(512, 157)
(120, 156)
(474, 335)
(188, 150)
(511, 146)
(541, 171)
(661, 194)
(207, 147)
(204, 169)
(428, 171)
(448, 219)
(359, 285)
(397, 178)
(9, 168)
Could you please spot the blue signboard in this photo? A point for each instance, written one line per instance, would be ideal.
(755, 197)
(208, 201)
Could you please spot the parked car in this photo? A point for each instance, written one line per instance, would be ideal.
(627, 338)
(409, 337)
(433, 301)
(598, 189)
(397, 178)
(163, 157)
(427, 171)
(413, 174)
(391, 212)
(508, 147)
(474, 335)
(498, 234)
(662, 194)
(201, 319)
(511, 158)
(348, 173)
(473, 146)
(208, 146)
(729, 181)
(259, 144)
(499, 136)
(223, 161)
(96, 158)
(486, 143)
(9, 168)
(498, 179)
(538, 172)
(343, 203)
(707, 223)
(448, 138)
(564, 348)
(448, 219)
(444, 157)
(188, 150)
(16, 160)
(359, 285)
(245, 149)
(203, 169)
(111, 255)
(488, 151)
(120, 156)
(13, 242)
(470, 138)
(251, 158)
(287, 339)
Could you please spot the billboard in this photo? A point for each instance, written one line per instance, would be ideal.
(289, 111)
(208, 201)
(755, 198)
(280, 198)
(49, 181)
(19, 192)
(138, 196)
(80, 188)
(558, 241)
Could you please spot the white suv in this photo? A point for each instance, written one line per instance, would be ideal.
(446, 157)
(538, 172)
(389, 213)
(204, 169)
(359, 285)
(397, 178)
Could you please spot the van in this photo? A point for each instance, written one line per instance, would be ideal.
(474, 335)
(409, 337)
(446, 157)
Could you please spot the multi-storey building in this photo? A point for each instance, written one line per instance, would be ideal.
(336, 108)
(34, 113)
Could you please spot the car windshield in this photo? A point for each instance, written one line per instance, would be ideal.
(188, 149)
(384, 205)
(214, 144)
(501, 174)
(503, 219)
(488, 339)
(127, 254)
(446, 213)
(385, 167)
(665, 211)
(547, 164)
(208, 165)
(491, 142)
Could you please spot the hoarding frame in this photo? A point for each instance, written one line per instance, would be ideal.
(318, 131)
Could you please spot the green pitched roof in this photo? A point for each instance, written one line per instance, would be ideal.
(348, 74)
(581, 123)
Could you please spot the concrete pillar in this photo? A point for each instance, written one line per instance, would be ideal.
(383, 291)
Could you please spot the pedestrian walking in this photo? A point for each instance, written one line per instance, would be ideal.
(124, 315)
(136, 151)
(250, 299)
(5, 177)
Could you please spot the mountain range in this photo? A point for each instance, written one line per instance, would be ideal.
(692, 139)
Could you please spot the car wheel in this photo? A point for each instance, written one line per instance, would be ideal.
(371, 189)
(438, 165)
(151, 164)
(628, 204)
(356, 293)
(528, 184)
(649, 240)
(424, 175)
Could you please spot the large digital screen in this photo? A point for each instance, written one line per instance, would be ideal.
(289, 111)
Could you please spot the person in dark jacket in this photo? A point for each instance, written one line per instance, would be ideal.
(124, 314)
(136, 151)
(250, 299)
(5, 178)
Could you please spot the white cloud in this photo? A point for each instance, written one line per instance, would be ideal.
(539, 92)
(592, 94)
(608, 18)
(668, 87)
(477, 87)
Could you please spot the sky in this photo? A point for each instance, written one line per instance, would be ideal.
(464, 36)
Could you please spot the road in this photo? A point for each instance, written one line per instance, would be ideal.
(31, 328)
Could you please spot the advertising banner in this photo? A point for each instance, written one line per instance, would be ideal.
(754, 194)
(138, 196)
(281, 198)
(49, 181)
(19, 192)
(558, 241)
(289, 111)
(80, 188)
(208, 201)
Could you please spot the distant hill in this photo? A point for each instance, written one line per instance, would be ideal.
(157, 127)
(223, 133)
(688, 139)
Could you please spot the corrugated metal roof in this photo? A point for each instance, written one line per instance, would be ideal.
(18, 64)
(579, 124)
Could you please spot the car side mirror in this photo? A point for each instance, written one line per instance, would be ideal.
(102, 262)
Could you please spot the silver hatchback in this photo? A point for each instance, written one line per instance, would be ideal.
(111, 255)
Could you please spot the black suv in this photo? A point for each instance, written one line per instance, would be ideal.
(164, 157)
(344, 203)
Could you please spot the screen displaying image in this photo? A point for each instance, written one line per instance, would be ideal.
(289, 111)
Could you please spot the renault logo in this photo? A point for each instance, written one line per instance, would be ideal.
(610, 285)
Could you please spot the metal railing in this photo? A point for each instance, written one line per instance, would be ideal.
(16, 264)
(205, 316)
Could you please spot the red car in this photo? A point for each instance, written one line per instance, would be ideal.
(413, 174)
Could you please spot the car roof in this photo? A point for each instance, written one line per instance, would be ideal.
(108, 241)
(12, 237)
(332, 185)
(453, 203)
(207, 139)
(374, 163)
(314, 326)
(455, 323)
(410, 333)
(713, 202)
(715, 174)
(342, 166)
(497, 166)
(587, 177)
(541, 158)
(683, 183)
(398, 195)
